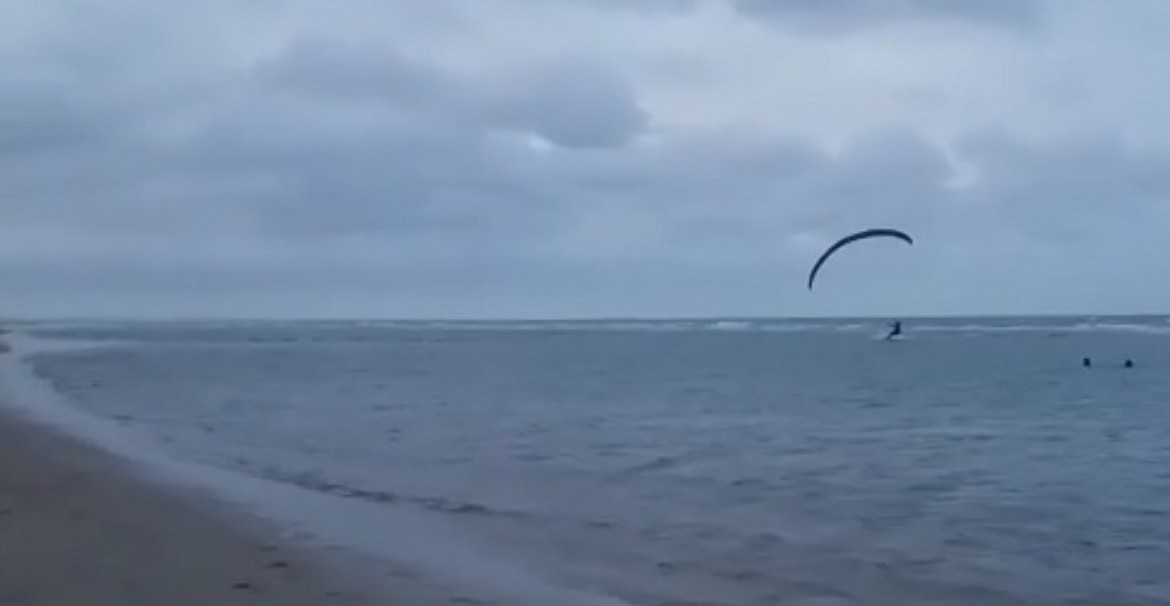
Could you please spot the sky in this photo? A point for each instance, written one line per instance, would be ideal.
(582, 158)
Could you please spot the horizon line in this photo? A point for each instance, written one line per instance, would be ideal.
(607, 318)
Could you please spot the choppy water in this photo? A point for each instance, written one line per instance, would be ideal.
(698, 462)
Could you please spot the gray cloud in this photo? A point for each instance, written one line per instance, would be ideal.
(849, 15)
(568, 101)
(320, 173)
(391, 145)
(694, 226)
(1083, 188)
(331, 69)
(35, 121)
(571, 103)
(645, 7)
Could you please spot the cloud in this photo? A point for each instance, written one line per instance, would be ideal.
(37, 121)
(571, 102)
(835, 16)
(392, 145)
(566, 101)
(486, 160)
(328, 68)
(1078, 189)
(644, 7)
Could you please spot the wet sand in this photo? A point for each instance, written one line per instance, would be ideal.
(76, 527)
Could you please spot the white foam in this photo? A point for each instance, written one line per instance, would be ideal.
(1073, 328)
(1152, 326)
(731, 325)
(387, 532)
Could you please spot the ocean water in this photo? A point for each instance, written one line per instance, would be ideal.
(715, 462)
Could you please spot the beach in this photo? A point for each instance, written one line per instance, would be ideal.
(76, 527)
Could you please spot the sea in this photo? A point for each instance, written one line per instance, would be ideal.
(721, 462)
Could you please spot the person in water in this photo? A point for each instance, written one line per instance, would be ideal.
(895, 329)
(1128, 363)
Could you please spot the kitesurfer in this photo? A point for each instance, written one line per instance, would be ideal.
(895, 329)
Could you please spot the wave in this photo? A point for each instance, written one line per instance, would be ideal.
(316, 483)
(1153, 327)
(58, 338)
(1071, 328)
(360, 525)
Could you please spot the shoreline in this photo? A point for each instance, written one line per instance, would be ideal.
(93, 513)
(76, 527)
(90, 515)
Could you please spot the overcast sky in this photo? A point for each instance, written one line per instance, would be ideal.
(569, 158)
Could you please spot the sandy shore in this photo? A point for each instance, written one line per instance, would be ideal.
(76, 528)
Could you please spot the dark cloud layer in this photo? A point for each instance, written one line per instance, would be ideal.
(330, 175)
(852, 15)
